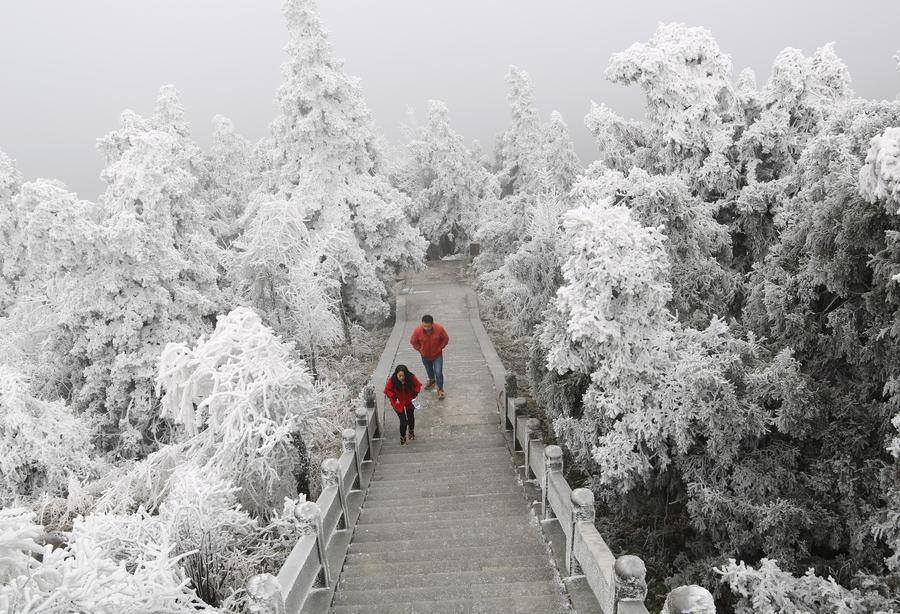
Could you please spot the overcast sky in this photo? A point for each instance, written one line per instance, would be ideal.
(69, 68)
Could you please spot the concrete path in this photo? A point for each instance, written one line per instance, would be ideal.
(445, 527)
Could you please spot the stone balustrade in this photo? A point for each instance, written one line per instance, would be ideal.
(618, 584)
(307, 578)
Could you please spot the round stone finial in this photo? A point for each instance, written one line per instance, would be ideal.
(369, 396)
(554, 458)
(512, 388)
(307, 515)
(690, 599)
(331, 472)
(520, 406)
(265, 594)
(533, 427)
(362, 416)
(631, 578)
(583, 505)
(348, 440)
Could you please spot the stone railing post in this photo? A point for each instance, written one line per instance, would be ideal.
(690, 599)
(348, 443)
(532, 435)
(369, 403)
(362, 420)
(265, 594)
(510, 390)
(520, 408)
(553, 461)
(631, 579)
(582, 512)
(331, 476)
(309, 522)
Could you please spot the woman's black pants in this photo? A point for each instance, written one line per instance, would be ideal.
(408, 417)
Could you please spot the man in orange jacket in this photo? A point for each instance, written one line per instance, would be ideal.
(429, 340)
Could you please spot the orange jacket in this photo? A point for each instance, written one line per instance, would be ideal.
(429, 345)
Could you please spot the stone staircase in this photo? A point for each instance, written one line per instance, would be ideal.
(444, 527)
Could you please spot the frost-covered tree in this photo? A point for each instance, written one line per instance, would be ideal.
(42, 443)
(558, 157)
(686, 80)
(10, 239)
(447, 183)
(826, 291)
(288, 275)
(123, 278)
(697, 245)
(326, 160)
(520, 147)
(526, 282)
(232, 178)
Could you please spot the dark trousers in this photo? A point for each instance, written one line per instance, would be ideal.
(408, 417)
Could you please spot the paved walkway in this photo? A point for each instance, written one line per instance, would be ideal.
(444, 527)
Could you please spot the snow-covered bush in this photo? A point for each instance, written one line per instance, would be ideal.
(251, 411)
(767, 589)
(42, 443)
(81, 578)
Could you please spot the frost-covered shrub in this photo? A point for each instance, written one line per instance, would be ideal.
(879, 178)
(42, 443)
(767, 589)
(251, 411)
(80, 578)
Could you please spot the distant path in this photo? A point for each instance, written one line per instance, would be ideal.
(444, 527)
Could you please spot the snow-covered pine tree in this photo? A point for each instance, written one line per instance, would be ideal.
(326, 161)
(451, 190)
(123, 278)
(10, 239)
(558, 157)
(232, 177)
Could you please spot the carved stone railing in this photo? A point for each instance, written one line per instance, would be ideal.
(618, 584)
(324, 526)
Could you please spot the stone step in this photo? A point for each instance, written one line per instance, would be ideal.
(448, 444)
(549, 604)
(438, 470)
(379, 516)
(449, 593)
(408, 455)
(426, 577)
(457, 540)
(485, 521)
(489, 563)
(401, 493)
(401, 478)
(449, 532)
(451, 503)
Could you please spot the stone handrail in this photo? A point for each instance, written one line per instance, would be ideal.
(317, 556)
(618, 584)
(307, 579)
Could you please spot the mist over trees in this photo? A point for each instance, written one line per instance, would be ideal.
(710, 307)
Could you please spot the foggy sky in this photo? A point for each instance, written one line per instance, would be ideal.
(69, 68)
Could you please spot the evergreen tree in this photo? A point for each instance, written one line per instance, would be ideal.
(326, 161)
(449, 187)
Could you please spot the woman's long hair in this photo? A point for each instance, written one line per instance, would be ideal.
(407, 383)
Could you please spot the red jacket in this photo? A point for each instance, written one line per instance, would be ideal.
(429, 345)
(400, 399)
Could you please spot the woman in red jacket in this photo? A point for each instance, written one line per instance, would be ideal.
(401, 388)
